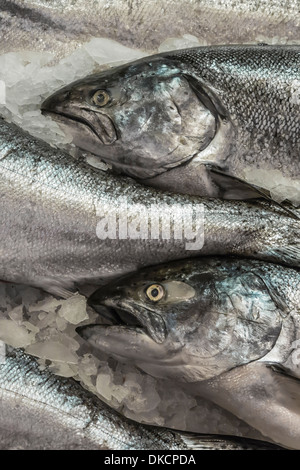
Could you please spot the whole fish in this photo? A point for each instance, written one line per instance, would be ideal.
(63, 224)
(203, 121)
(228, 328)
(39, 411)
(59, 26)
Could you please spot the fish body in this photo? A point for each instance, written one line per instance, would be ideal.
(57, 220)
(40, 411)
(228, 328)
(60, 26)
(219, 121)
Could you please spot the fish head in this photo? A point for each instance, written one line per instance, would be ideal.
(142, 118)
(188, 320)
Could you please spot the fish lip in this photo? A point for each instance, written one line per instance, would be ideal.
(125, 316)
(118, 316)
(68, 116)
(75, 118)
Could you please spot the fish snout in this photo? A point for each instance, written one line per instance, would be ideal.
(55, 102)
(87, 126)
(101, 296)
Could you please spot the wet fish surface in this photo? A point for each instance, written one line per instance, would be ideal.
(38, 410)
(52, 205)
(202, 121)
(41, 411)
(228, 328)
(59, 26)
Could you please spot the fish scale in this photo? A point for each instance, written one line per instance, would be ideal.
(40, 411)
(287, 285)
(254, 84)
(48, 220)
(45, 25)
(75, 419)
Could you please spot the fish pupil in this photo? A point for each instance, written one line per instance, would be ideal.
(154, 292)
(100, 98)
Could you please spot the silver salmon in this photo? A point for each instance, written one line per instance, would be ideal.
(40, 411)
(218, 121)
(229, 328)
(60, 26)
(58, 221)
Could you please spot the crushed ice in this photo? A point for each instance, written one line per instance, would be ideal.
(46, 328)
(27, 78)
(281, 187)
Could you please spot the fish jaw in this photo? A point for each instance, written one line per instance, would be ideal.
(133, 345)
(123, 342)
(78, 120)
(127, 313)
(133, 334)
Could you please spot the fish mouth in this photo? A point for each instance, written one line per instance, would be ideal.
(118, 316)
(126, 316)
(102, 128)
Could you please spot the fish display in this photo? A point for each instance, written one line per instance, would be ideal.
(202, 121)
(228, 328)
(60, 26)
(54, 213)
(193, 282)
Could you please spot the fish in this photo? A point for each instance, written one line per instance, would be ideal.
(63, 224)
(61, 26)
(41, 411)
(205, 121)
(227, 328)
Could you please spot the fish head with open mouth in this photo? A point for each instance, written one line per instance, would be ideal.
(143, 118)
(189, 320)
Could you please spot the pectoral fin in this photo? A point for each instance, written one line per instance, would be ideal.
(232, 187)
(210, 442)
(264, 396)
(60, 291)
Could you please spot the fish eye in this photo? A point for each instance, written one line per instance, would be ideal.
(155, 292)
(101, 98)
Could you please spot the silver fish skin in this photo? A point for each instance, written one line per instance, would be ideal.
(60, 26)
(195, 319)
(41, 411)
(51, 206)
(226, 327)
(192, 121)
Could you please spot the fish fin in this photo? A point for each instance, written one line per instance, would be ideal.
(237, 188)
(217, 442)
(289, 255)
(264, 395)
(60, 291)
(233, 187)
(86, 331)
(286, 384)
